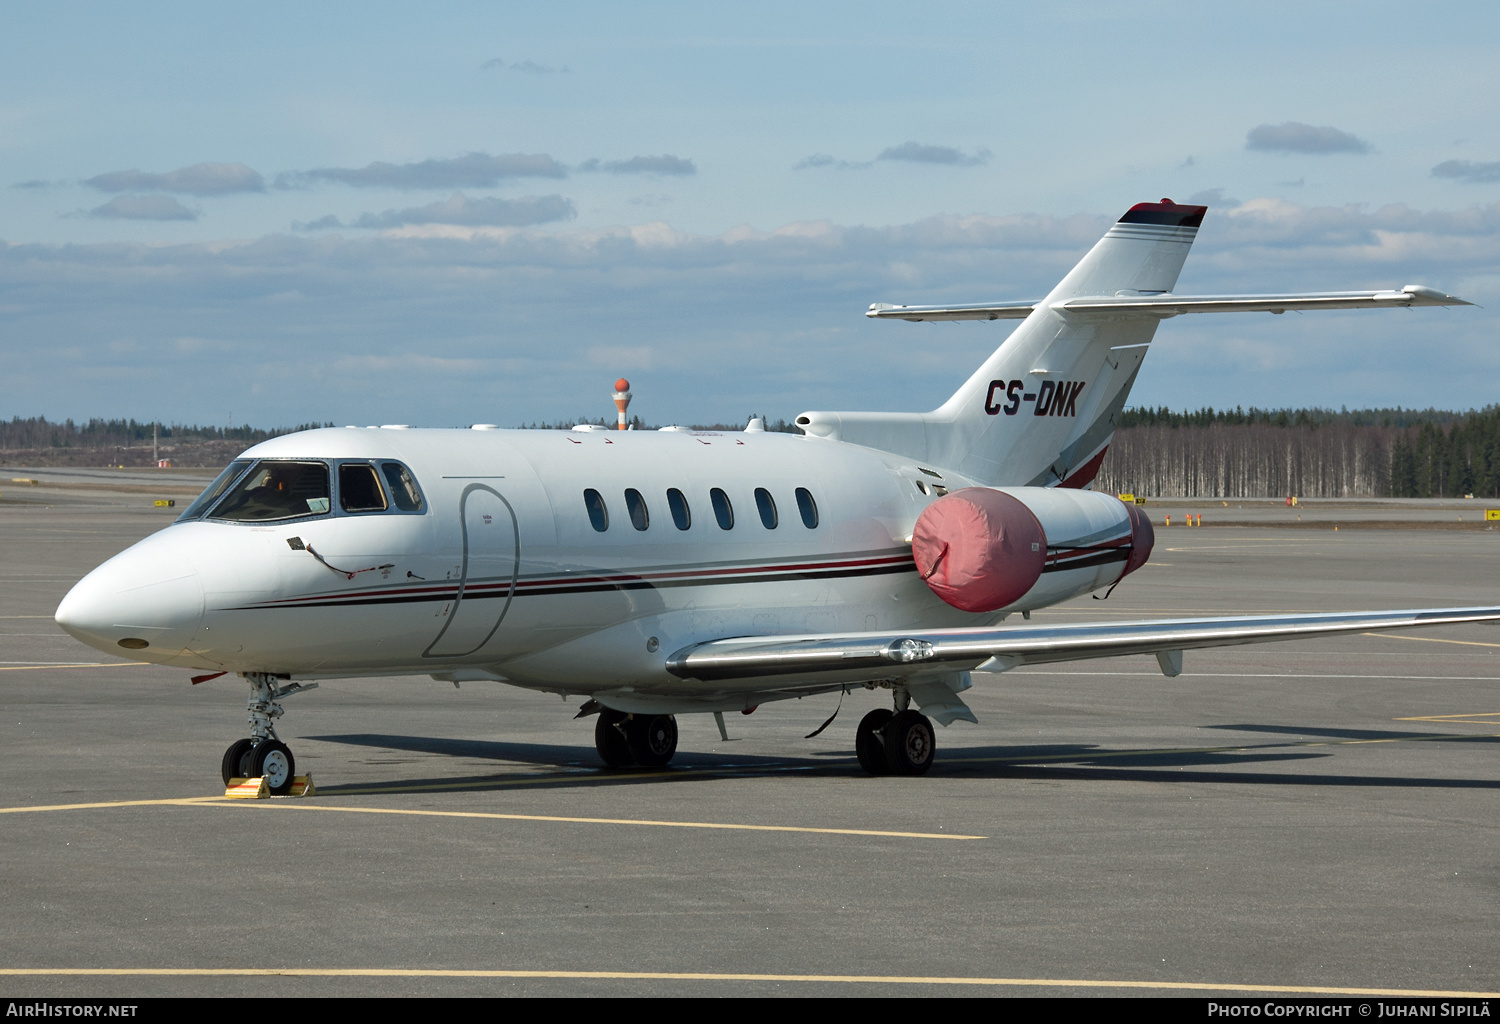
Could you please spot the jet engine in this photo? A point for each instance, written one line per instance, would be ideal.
(983, 549)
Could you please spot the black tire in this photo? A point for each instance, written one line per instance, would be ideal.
(652, 738)
(868, 746)
(909, 743)
(610, 741)
(236, 763)
(275, 763)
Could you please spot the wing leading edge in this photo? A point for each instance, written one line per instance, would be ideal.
(1165, 304)
(861, 656)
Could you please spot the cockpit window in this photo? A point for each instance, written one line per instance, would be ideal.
(212, 491)
(359, 488)
(277, 490)
(404, 491)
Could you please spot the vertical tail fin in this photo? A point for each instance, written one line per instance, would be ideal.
(1043, 407)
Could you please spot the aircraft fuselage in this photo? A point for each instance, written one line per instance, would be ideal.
(503, 573)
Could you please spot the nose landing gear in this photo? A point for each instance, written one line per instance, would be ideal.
(263, 754)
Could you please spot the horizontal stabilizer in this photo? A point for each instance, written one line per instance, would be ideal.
(877, 655)
(1165, 304)
(978, 311)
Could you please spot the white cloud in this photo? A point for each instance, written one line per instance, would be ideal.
(525, 67)
(1296, 137)
(664, 164)
(144, 208)
(824, 160)
(916, 152)
(1467, 170)
(1214, 197)
(456, 323)
(473, 170)
(207, 179)
(459, 209)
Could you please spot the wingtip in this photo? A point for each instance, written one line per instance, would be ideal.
(1434, 296)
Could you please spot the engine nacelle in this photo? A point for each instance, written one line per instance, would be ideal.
(982, 549)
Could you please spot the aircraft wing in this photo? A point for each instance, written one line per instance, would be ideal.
(839, 657)
(1166, 304)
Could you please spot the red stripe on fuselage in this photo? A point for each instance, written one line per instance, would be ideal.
(748, 572)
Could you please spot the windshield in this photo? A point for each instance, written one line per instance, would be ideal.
(277, 490)
(212, 491)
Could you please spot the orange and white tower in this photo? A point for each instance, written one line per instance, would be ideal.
(622, 399)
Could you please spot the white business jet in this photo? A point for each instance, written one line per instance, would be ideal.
(662, 573)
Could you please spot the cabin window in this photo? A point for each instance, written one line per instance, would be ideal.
(277, 490)
(598, 514)
(766, 505)
(636, 506)
(404, 490)
(213, 491)
(359, 488)
(723, 511)
(808, 508)
(682, 517)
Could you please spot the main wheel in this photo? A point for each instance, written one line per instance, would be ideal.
(609, 740)
(868, 746)
(236, 763)
(909, 743)
(652, 738)
(274, 761)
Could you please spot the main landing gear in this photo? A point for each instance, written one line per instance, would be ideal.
(646, 740)
(262, 754)
(895, 742)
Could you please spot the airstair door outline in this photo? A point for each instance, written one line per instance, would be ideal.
(491, 561)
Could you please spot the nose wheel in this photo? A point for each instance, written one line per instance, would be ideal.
(262, 754)
(236, 764)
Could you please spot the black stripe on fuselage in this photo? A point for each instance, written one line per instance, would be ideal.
(1104, 556)
(593, 587)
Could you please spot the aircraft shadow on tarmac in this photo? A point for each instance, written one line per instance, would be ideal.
(578, 766)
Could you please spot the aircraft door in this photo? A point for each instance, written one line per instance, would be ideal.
(491, 561)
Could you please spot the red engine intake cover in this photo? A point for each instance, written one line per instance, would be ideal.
(978, 549)
(1142, 539)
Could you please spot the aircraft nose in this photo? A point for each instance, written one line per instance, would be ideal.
(146, 602)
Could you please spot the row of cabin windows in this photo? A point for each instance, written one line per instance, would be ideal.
(682, 516)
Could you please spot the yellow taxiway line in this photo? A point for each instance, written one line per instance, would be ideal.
(182, 801)
(848, 979)
(607, 821)
(219, 801)
(80, 664)
(1485, 718)
(1430, 639)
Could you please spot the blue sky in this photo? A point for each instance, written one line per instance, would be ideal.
(376, 213)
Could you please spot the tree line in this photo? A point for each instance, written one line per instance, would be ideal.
(1314, 453)
(39, 432)
(1207, 453)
